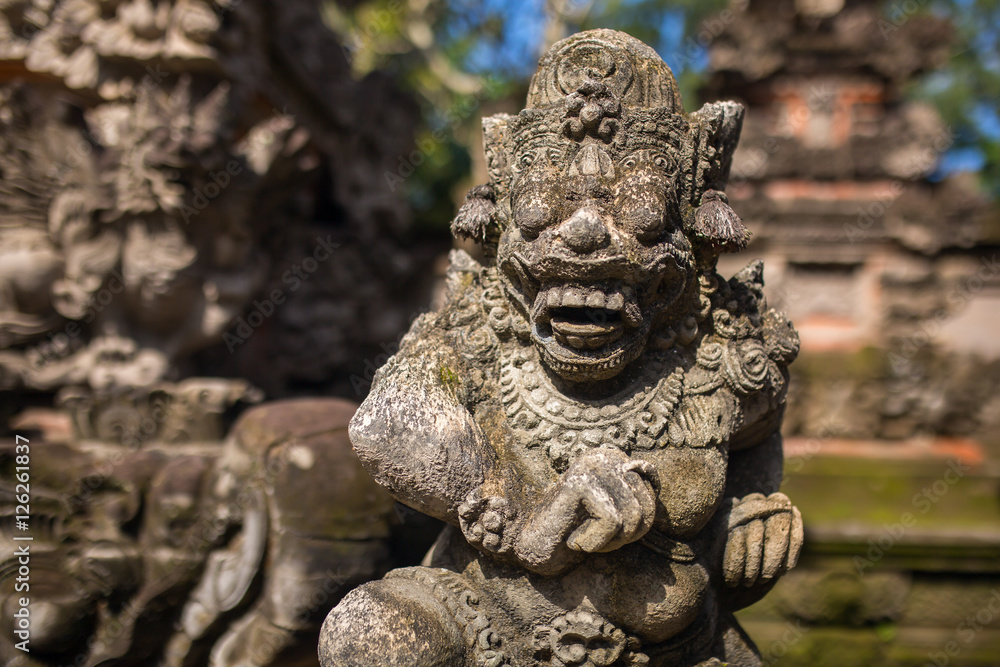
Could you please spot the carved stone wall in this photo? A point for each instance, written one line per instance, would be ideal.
(193, 215)
(192, 187)
(891, 276)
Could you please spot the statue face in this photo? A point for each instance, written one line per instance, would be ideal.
(594, 256)
(598, 189)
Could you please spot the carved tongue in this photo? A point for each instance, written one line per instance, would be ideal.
(586, 317)
(586, 328)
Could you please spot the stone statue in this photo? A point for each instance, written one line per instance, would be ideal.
(593, 411)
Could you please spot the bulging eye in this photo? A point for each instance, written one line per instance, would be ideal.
(532, 218)
(648, 220)
(629, 163)
(526, 160)
(663, 162)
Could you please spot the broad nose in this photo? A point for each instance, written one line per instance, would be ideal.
(585, 231)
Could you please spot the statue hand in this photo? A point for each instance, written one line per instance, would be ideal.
(604, 501)
(765, 538)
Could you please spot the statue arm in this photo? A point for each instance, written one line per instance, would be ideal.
(415, 437)
(764, 532)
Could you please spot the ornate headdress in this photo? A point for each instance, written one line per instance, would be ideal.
(607, 89)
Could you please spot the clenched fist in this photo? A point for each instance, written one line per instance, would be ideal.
(765, 538)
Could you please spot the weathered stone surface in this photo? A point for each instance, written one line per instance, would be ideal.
(194, 188)
(594, 410)
(176, 179)
(193, 553)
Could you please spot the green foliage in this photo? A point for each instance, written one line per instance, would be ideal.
(417, 42)
(457, 56)
(966, 91)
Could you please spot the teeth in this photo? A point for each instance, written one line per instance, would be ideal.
(593, 334)
(573, 298)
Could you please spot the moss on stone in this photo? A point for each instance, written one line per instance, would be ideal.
(449, 380)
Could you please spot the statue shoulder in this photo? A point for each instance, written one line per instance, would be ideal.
(743, 357)
(452, 346)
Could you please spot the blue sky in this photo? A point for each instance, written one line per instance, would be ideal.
(512, 50)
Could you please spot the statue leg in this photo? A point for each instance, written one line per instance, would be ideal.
(397, 622)
(737, 647)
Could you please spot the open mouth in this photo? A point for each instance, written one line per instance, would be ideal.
(585, 318)
(586, 328)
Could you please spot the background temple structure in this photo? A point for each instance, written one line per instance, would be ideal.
(891, 277)
(193, 216)
(166, 170)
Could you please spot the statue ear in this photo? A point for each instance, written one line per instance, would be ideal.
(477, 217)
(715, 129)
(230, 571)
(716, 224)
(476, 214)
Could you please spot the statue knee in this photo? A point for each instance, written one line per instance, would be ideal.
(395, 622)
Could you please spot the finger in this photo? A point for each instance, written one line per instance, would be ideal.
(796, 538)
(556, 521)
(646, 498)
(630, 514)
(749, 508)
(776, 532)
(755, 552)
(644, 469)
(736, 554)
(779, 498)
(602, 524)
(631, 517)
(593, 534)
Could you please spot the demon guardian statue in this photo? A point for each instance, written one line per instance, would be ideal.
(594, 411)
